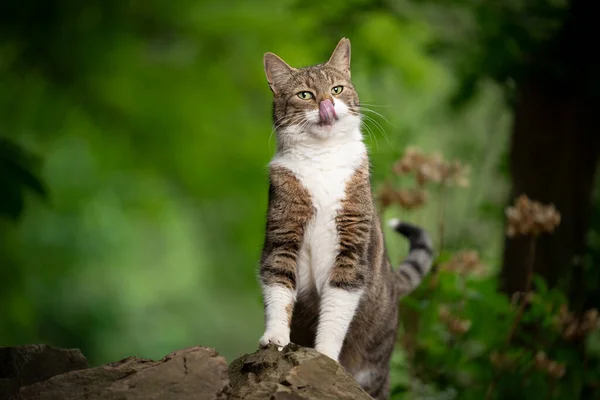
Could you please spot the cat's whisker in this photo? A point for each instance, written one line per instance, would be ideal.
(280, 122)
(271, 135)
(306, 122)
(368, 129)
(276, 125)
(375, 122)
(371, 134)
(378, 126)
(374, 137)
(378, 114)
(373, 105)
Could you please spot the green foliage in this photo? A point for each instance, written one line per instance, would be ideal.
(16, 178)
(463, 339)
(520, 33)
(152, 120)
(478, 363)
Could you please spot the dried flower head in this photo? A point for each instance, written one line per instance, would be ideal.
(386, 196)
(454, 324)
(427, 173)
(455, 173)
(590, 321)
(529, 217)
(541, 359)
(496, 359)
(444, 312)
(464, 262)
(432, 168)
(572, 327)
(411, 198)
(458, 326)
(501, 361)
(413, 158)
(556, 369)
(407, 199)
(519, 297)
(553, 368)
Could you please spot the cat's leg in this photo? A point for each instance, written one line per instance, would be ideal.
(278, 277)
(342, 291)
(344, 286)
(338, 306)
(290, 208)
(279, 303)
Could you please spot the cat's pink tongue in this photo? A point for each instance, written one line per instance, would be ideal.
(327, 112)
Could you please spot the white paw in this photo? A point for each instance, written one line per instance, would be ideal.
(330, 351)
(281, 338)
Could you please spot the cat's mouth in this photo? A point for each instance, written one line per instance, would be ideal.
(327, 114)
(327, 125)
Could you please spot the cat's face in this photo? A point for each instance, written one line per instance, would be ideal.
(316, 102)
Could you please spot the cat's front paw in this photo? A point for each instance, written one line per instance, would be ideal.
(281, 338)
(330, 350)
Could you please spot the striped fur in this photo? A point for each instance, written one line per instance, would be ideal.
(326, 278)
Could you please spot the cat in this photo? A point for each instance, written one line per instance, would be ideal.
(326, 279)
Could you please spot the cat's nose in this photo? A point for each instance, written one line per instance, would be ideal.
(327, 112)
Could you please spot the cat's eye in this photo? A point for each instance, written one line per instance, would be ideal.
(305, 95)
(337, 89)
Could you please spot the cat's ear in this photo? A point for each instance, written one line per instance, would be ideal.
(276, 71)
(340, 59)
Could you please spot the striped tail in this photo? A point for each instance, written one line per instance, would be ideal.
(419, 260)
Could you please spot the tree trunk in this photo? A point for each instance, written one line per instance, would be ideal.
(554, 150)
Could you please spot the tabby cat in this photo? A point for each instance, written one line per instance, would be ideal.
(326, 279)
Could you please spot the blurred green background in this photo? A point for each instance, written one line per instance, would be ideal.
(148, 126)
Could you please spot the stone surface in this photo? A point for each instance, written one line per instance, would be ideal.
(43, 373)
(196, 373)
(25, 365)
(295, 373)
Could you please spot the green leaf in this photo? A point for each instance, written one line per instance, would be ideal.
(540, 284)
(16, 177)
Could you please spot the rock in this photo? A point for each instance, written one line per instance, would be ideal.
(25, 365)
(196, 373)
(295, 373)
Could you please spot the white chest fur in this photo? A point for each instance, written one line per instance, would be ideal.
(324, 169)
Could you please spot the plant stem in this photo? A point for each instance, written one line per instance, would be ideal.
(441, 226)
(552, 388)
(519, 316)
(528, 283)
(490, 391)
